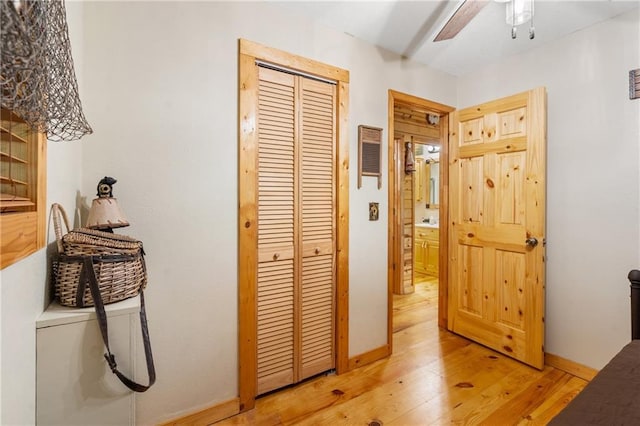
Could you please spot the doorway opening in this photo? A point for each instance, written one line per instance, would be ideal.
(417, 234)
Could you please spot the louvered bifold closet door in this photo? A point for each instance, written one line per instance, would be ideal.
(317, 137)
(276, 219)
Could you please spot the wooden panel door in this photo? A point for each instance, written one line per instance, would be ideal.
(497, 201)
(296, 228)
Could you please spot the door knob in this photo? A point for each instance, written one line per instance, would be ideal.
(531, 242)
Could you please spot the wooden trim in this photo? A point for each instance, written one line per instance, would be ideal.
(435, 107)
(209, 415)
(393, 255)
(369, 357)
(443, 227)
(394, 228)
(249, 52)
(453, 144)
(342, 237)
(247, 232)
(41, 196)
(396, 223)
(298, 63)
(571, 367)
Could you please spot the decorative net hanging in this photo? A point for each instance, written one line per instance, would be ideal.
(37, 78)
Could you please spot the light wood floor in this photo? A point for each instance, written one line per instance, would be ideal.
(433, 378)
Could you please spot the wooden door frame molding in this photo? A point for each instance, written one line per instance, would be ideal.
(394, 239)
(249, 52)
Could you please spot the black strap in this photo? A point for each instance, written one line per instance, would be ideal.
(102, 321)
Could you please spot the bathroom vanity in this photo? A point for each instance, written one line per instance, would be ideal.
(426, 248)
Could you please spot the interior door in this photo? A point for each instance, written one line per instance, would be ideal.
(273, 230)
(296, 228)
(497, 204)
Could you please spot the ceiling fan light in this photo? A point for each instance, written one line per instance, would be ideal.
(519, 12)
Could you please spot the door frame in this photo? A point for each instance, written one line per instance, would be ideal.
(249, 52)
(395, 232)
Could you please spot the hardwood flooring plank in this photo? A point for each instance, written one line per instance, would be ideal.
(555, 403)
(529, 398)
(475, 409)
(434, 377)
(384, 403)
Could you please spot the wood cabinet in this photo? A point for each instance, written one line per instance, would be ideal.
(426, 250)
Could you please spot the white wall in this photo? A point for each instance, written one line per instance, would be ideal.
(24, 292)
(592, 179)
(161, 87)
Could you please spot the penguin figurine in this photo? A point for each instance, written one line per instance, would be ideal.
(105, 187)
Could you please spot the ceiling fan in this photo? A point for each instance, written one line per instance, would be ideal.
(462, 16)
(517, 13)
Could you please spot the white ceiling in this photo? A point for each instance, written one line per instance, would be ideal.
(409, 27)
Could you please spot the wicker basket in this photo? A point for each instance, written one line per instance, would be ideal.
(118, 263)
